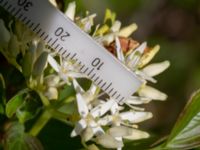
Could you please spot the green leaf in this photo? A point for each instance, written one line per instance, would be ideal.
(17, 139)
(30, 107)
(15, 102)
(2, 94)
(1, 109)
(186, 132)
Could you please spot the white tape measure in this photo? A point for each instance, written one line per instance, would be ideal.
(60, 33)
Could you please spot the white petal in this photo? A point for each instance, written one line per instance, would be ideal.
(144, 76)
(107, 39)
(53, 63)
(93, 147)
(53, 2)
(77, 87)
(102, 109)
(107, 120)
(75, 75)
(152, 93)
(79, 127)
(52, 80)
(127, 31)
(134, 57)
(89, 18)
(121, 140)
(97, 130)
(116, 26)
(136, 135)
(135, 100)
(93, 89)
(147, 57)
(87, 134)
(156, 68)
(70, 12)
(88, 22)
(115, 108)
(108, 141)
(135, 117)
(82, 105)
(120, 54)
(51, 93)
(120, 131)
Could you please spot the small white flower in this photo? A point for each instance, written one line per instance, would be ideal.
(87, 121)
(66, 69)
(87, 23)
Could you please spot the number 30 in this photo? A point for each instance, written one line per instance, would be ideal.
(25, 4)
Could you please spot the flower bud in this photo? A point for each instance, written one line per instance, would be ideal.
(51, 93)
(27, 64)
(127, 31)
(87, 134)
(93, 147)
(13, 46)
(40, 64)
(5, 35)
(40, 49)
(136, 135)
(120, 131)
(108, 141)
(152, 93)
(148, 56)
(156, 68)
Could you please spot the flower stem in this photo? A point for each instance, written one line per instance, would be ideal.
(40, 123)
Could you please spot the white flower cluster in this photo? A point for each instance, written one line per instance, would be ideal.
(103, 120)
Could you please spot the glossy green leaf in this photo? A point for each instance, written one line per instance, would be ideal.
(186, 132)
(17, 139)
(29, 109)
(14, 103)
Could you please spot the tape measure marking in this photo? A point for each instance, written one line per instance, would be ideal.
(94, 61)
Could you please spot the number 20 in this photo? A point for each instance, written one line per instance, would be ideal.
(61, 33)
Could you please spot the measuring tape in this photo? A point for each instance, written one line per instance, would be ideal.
(63, 35)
